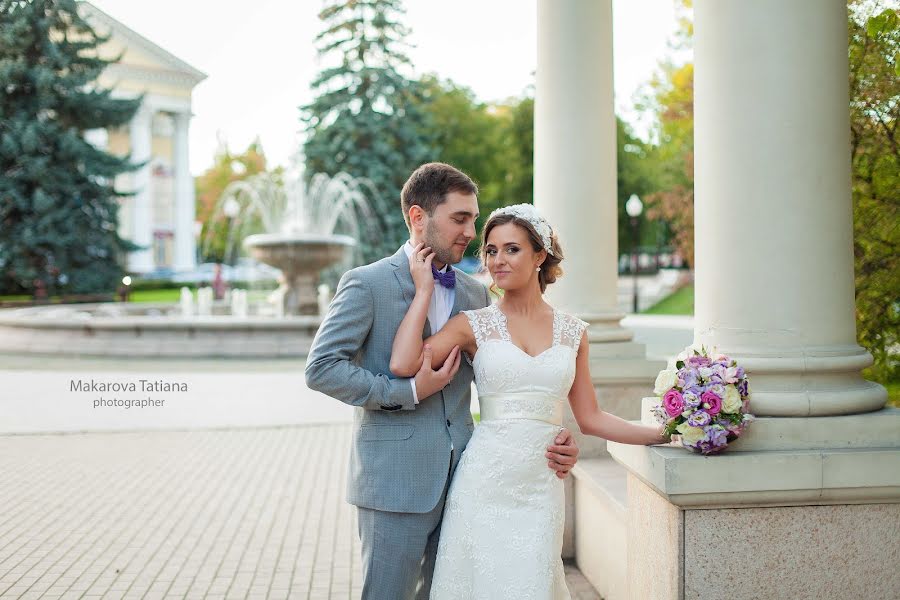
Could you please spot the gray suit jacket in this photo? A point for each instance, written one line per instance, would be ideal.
(401, 458)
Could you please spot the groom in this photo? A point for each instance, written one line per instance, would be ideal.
(408, 434)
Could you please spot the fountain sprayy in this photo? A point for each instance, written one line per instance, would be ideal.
(300, 227)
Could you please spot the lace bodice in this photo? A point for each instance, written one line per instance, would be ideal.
(502, 367)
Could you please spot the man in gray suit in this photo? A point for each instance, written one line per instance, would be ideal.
(408, 434)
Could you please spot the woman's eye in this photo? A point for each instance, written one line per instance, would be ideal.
(513, 250)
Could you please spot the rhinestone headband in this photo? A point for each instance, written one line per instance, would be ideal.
(527, 212)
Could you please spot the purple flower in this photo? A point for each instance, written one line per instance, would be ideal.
(690, 379)
(716, 439)
(742, 388)
(691, 399)
(673, 402)
(698, 361)
(698, 419)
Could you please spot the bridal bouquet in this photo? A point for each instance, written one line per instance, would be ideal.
(703, 401)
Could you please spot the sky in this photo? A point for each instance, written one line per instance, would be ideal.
(259, 57)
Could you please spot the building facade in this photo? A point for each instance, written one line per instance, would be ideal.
(161, 214)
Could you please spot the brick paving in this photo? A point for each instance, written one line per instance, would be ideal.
(206, 514)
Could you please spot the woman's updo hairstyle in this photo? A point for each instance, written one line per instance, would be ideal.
(550, 269)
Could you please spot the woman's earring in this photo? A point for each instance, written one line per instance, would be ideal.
(538, 269)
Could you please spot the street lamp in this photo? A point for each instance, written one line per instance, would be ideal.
(633, 207)
(231, 208)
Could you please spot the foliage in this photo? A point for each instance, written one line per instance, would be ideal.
(58, 206)
(874, 105)
(492, 143)
(670, 99)
(366, 118)
(227, 168)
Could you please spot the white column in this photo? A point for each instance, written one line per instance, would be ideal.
(185, 251)
(575, 153)
(773, 214)
(575, 176)
(141, 261)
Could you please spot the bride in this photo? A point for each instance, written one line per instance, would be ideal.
(502, 528)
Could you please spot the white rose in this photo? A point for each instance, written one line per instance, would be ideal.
(665, 381)
(732, 402)
(690, 435)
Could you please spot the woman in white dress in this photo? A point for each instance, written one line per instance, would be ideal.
(502, 528)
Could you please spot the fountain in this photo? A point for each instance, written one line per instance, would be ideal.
(298, 236)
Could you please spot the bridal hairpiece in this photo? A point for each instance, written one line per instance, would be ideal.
(527, 212)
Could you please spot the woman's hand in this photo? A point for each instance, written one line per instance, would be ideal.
(420, 268)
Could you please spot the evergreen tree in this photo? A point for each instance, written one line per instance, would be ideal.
(366, 118)
(58, 207)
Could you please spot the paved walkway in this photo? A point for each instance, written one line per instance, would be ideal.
(230, 513)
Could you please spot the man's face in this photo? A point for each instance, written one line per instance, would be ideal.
(452, 226)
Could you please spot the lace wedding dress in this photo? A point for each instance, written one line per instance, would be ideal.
(503, 520)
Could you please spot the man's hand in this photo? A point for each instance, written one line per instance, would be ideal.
(429, 381)
(563, 454)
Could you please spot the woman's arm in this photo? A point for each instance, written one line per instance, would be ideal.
(593, 421)
(406, 354)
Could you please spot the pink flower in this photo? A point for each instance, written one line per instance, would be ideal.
(713, 401)
(673, 402)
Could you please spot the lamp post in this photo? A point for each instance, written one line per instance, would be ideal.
(633, 207)
(231, 209)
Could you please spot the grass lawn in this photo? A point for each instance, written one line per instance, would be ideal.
(172, 295)
(679, 303)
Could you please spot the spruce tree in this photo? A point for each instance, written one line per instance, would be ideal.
(366, 118)
(58, 206)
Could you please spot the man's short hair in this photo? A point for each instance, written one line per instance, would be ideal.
(429, 185)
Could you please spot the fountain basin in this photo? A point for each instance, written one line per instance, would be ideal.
(301, 257)
(152, 330)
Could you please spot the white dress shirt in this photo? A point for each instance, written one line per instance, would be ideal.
(438, 309)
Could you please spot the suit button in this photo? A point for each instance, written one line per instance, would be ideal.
(448, 422)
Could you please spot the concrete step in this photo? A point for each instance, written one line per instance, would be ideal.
(601, 525)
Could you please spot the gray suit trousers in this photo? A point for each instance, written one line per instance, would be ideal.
(399, 551)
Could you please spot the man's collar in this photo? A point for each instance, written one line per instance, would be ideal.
(408, 248)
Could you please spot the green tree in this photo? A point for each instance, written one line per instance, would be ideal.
(874, 106)
(635, 175)
(227, 168)
(58, 206)
(366, 118)
(476, 137)
(669, 99)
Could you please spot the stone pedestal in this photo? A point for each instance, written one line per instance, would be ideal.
(823, 552)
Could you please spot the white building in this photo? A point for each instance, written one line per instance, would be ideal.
(161, 214)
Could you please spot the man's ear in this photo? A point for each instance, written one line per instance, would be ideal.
(417, 216)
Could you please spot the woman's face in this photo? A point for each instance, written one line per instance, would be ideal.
(510, 259)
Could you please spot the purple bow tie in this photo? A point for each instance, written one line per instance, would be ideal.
(448, 279)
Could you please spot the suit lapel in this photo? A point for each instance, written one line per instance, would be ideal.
(460, 296)
(401, 271)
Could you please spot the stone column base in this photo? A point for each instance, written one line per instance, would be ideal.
(824, 552)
